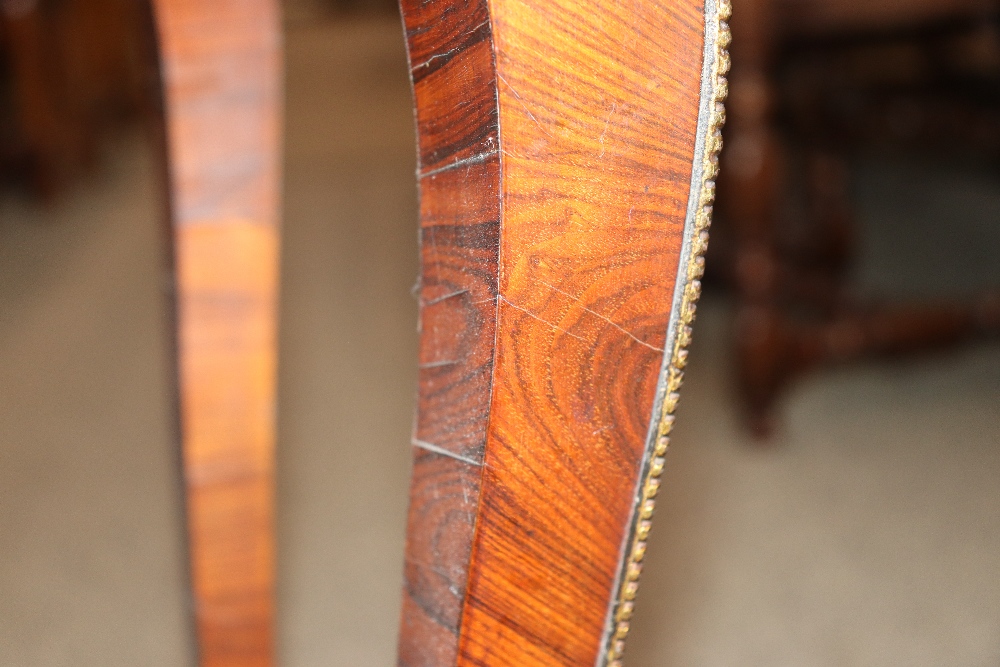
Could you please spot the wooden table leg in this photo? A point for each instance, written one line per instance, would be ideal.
(566, 156)
(220, 65)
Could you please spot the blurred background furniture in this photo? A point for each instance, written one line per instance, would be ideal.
(73, 69)
(69, 71)
(813, 85)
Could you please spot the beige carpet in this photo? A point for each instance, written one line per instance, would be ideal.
(867, 535)
(90, 527)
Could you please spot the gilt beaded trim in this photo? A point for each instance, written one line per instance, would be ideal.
(699, 217)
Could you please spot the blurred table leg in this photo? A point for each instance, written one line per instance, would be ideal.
(221, 72)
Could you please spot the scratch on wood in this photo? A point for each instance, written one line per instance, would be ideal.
(445, 297)
(428, 62)
(444, 452)
(438, 364)
(531, 115)
(597, 314)
(544, 321)
(476, 27)
(474, 159)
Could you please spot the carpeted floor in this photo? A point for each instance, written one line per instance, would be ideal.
(868, 534)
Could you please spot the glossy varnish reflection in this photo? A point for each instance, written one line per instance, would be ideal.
(220, 69)
(563, 173)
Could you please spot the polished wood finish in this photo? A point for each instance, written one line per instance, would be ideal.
(459, 178)
(221, 73)
(559, 168)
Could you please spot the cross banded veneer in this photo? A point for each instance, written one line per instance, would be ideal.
(566, 157)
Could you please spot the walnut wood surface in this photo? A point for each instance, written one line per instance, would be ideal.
(557, 141)
(220, 69)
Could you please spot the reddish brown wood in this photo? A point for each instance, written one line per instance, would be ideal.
(69, 68)
(221, 73)
(557, 141)
(454, 85)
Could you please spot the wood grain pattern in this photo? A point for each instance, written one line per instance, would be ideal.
(602, 124)
(454, 84)
(221, 71)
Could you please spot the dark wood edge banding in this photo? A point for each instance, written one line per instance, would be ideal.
(453, 75)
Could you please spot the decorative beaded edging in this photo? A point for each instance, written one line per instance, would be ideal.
(712, 116)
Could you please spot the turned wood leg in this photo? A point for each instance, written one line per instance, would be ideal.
(220, 66)
(566, 157)
(749, 191)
